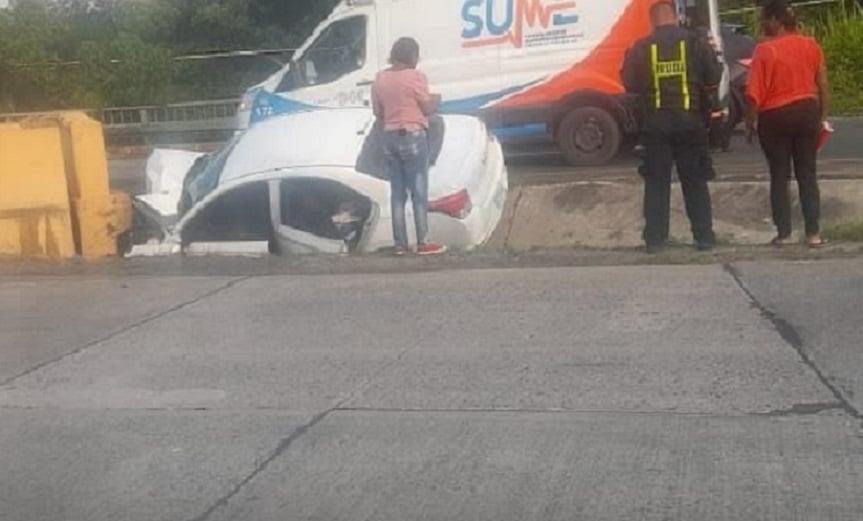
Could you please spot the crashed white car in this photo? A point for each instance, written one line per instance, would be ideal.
(313, 182)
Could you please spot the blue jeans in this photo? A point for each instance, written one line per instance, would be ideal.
(407, 166)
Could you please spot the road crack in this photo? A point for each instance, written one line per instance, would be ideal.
(281, 448)
(804, 409)
(793, 338)
(131, 327)
(285, 444)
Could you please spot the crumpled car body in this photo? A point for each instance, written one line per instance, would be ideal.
(314, 182)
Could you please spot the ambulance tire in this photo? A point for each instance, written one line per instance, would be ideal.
(589, 136)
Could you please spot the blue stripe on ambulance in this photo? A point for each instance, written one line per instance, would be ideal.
(473, 104)
(268, 105)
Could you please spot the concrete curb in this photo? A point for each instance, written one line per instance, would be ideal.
(608, 214)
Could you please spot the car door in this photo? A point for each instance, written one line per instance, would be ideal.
(317, 215)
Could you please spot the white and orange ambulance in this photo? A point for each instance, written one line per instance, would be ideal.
(541, 66)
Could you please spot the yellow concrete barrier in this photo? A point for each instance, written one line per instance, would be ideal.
(99, 222)
(55, 198)
(98, 215)
(34, 197)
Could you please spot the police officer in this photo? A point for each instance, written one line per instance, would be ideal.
(670, 71)
(712, 113)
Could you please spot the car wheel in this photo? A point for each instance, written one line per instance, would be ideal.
(124, 243)
(589, 136)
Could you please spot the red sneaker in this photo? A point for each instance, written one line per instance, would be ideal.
(430, 248)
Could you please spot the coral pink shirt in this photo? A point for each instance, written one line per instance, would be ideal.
(783, 71)
(399, 95)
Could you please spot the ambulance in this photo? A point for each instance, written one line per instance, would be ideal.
(523, 66)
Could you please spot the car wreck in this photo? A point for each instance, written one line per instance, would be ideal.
(315, 182)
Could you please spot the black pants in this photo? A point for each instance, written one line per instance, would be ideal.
(790, 134)
(676, 137)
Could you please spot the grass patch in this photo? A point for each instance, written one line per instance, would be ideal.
(846, 232)
(840, 32)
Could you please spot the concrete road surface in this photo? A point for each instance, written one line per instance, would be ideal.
(658, 393)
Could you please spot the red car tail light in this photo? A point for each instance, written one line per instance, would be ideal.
(457, 206)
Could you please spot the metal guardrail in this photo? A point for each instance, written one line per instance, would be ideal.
(203, 114)
(181, 122)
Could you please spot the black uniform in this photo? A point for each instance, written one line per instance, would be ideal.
(710, 106)
(670, 71)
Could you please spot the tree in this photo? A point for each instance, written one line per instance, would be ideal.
(125, 71)
(92, 53)
(29, 38)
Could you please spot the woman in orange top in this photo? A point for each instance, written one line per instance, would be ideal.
(401, 99)
(788, 93)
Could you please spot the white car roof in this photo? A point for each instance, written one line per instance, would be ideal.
(332, 137)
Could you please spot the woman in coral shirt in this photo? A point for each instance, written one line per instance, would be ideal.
(402, 100)
(788, 92)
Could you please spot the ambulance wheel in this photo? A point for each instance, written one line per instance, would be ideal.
(589, 136)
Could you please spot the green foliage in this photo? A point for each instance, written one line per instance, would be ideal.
(93, 53)
(840, 33)
(125, 71)
(29, 35)
(845, 232)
